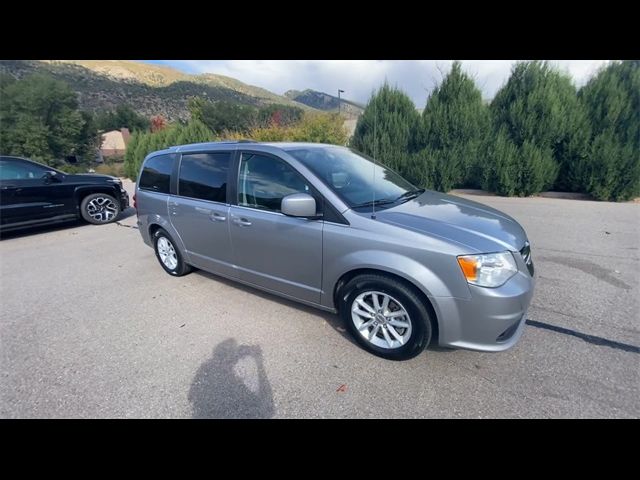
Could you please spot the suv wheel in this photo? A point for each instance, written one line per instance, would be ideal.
(168, 255)
(385, 316)
(99, 208)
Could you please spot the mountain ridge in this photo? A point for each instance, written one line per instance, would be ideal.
(325, 101)
(149, 89)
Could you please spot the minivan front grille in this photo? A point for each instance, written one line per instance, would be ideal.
(526, 256)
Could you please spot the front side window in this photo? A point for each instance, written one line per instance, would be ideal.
(264, 181)
(354, 177)
(16, 170)
(204, 176)
(156, 174)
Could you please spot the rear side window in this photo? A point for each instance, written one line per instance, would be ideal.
(156, 174)
(204, 176)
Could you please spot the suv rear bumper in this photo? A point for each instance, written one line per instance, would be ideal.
(492, 320)
(123, 198)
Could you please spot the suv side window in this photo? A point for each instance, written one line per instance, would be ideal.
(264, 181)
(156, 174)
(204, 176)
(16, 170)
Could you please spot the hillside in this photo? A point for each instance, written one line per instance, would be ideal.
(149, 89)
(324, 101)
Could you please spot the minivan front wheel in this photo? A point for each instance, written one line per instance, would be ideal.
(168, 255)
(385, 316)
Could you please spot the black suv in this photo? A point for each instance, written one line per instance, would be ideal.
(35, 194)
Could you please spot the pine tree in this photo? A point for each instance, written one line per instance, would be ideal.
(393, 117)
(455, 125)
(611, 170)
(538, 106)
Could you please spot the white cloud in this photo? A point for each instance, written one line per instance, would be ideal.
(358, 78)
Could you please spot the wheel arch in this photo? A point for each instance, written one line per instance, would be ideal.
(81, 192)
(351, 274)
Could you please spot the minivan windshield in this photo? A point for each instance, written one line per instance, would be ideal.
(354, 177)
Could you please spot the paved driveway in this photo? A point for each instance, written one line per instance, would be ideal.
(92, 327)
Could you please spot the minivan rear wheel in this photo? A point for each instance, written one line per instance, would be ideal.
(168, 255)
(385, 316)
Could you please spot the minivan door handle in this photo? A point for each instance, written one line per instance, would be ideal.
(206, 211)
(243, 222)
(217, 217)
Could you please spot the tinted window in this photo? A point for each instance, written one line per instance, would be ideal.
(156, 173)
(204, 176)
(264, 181)
(16, 170)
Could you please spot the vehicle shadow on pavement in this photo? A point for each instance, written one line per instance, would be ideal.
(232, 383)
(29, 231)
(333, 320)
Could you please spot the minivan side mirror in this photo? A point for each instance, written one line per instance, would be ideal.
(299, 205)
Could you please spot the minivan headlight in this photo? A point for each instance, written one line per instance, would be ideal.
(488, 269)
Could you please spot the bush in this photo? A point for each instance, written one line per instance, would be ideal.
(314, 127)
(114, 169)
(73, 169)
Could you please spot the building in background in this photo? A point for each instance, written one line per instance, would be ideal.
(114, 144)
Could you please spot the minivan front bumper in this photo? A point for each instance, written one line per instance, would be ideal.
(491, 320)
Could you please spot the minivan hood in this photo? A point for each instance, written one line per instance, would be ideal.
(472, 224)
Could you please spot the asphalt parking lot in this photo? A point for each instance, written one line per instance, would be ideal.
(92, 327)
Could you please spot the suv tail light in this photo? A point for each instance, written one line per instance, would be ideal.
(135, 205)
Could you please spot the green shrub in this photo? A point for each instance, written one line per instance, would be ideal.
(114, 169)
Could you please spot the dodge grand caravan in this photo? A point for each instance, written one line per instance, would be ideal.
(327, 226)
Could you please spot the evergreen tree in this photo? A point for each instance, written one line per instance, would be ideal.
(455, 125)
(392, 117)
(538, 105)
(611, 170)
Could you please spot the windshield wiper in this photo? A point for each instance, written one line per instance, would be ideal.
(410, 194)
(370, 203)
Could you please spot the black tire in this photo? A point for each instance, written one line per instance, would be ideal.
(181, 267)
(91, 215)
(418, 314)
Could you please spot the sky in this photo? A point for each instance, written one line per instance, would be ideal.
(358, 78)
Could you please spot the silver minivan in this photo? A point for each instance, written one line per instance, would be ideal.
(328, 227)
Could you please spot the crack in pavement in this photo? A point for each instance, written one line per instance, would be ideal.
(126, 226)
